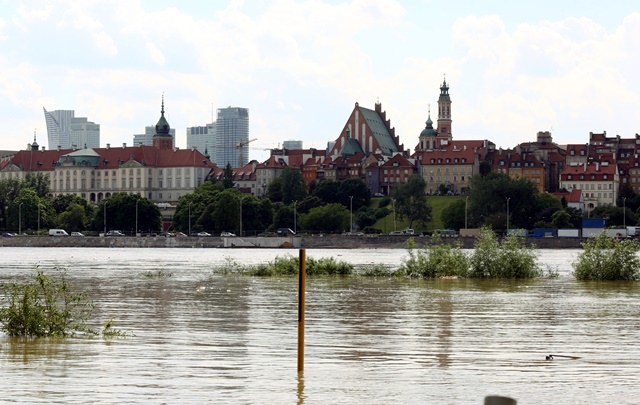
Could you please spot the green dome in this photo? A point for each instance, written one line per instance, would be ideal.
(162, 127)
(429, 131)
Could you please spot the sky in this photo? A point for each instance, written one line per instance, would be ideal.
(514, 68)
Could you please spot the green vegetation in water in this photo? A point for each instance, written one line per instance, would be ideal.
(491, 259)
(47, 306)
(509, 258)
(157, 274)
(108, 331)
(435, 260)
(288, 266)
(605, 258)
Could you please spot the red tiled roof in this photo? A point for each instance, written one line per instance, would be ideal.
(588, 169)
(425, 157)
(112, 158)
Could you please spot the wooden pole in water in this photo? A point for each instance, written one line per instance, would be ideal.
(302, 272)
(497, 400)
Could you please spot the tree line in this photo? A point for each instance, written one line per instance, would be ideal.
(494, 200)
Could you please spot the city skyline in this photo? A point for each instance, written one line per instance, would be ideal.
(513, 69)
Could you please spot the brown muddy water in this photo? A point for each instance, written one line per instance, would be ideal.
(201, 337)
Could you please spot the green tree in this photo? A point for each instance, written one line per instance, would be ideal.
(274, 191)
(545, 206)
(561, 219)
(257, 214)
(327, 191)
(9, 189)
(283, 217)
(120, 211)
(328, 218)
(615, 216)
(38, 183)
(227, 179)
(193, 208)
(604, 258)
(490, 195)
(453, 215)
(23, 210)
(69, 217)
(226, 211)
(293, 187)
(411, 202)
(73, 219)
(355, 188)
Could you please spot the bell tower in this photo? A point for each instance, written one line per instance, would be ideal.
(444, 112)
(162, 138)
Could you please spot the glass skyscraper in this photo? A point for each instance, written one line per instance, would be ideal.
(232, 135)
(66, 131)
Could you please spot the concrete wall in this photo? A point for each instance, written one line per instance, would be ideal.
(305, 241)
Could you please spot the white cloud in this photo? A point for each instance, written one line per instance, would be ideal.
(155, 54)
(300, 66)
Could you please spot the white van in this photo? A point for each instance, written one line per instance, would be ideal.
(58, 232)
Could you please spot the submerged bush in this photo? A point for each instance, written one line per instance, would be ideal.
(45, 306)
(288, 266)
(435, 260)
(507, 259)
(605, 258)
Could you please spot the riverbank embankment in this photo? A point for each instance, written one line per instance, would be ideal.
(301, 241)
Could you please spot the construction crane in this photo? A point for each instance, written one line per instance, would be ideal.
(240, 148)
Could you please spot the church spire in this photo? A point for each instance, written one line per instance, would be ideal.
(162, 138)
(444, 111)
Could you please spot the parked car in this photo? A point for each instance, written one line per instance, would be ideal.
(115, 233)
(447, 233)
(58, 232)
(77, 234)
(285, 231)
(8, 234)
(227, 234)
(203, 233)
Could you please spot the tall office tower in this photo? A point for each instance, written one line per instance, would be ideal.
(232, 136)
(202, 138)
(65, 131)
(292, 145)
(84, 133)
(147, 137)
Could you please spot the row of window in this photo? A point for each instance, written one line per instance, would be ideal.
(448, 160)
(138, 171)
(591, 186)
(582, 177)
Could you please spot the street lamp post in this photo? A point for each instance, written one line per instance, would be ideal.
(466, 202)
(295, 217)
(38, 218)
(189, 219)
(624, 212)
(20, 218)
(394, 213)
(508, 198)
(104, 217)
(136, 231)
(240, 233)
(350, 214)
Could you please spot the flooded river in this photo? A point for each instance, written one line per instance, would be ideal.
(201, 337)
